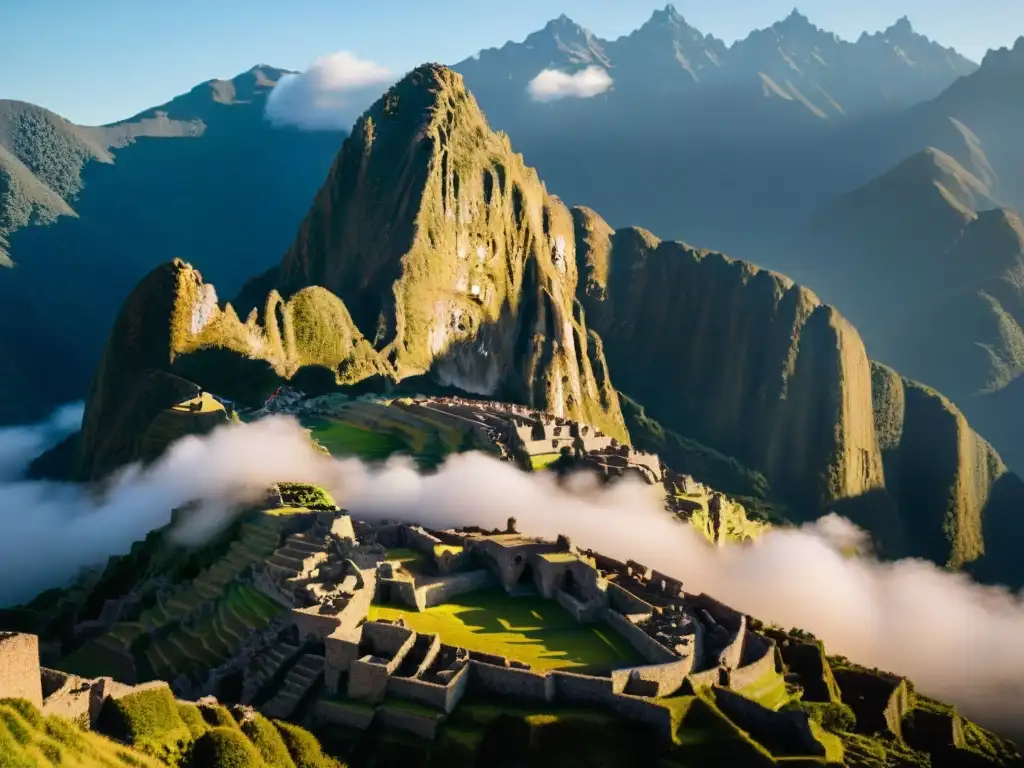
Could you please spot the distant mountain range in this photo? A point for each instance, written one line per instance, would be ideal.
(792, 61)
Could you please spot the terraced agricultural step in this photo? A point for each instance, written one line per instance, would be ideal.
(285, 561)
(280, 572)
(301, 545)
(301, 555)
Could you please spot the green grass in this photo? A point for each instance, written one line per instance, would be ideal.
(148, 720)
(404, 556)
(769, 690)
(29, 740)
(543, 460)
(268, 742)
(343, 439)
(532, 630)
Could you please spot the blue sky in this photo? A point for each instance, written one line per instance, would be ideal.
(96, 61)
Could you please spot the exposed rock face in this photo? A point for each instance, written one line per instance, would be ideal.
(931, 270)
(956, 500)
(451, 255)
(748, 362)
(735, 357)
(171, 332)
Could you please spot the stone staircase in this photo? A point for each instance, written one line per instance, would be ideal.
(297, 683)
(300, 554)
(263, 666)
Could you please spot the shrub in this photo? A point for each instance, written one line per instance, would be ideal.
(223, 747)
(15, 726)
(833, 716)
(268, 742)
(24, 707)
(217, 716)
(193, 719)
(303, 747)
(67, 733)
(149, 721)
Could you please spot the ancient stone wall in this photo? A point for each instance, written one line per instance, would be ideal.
(506, 681)
(575, 608)
(313, 625)
(570, 687)
(340, 649)
(417, 724)
(626, 602)
(705, 678)
(654, 680)
(448, 587)
(400, 591)
(19, 668)
(419, 540)
(879, 701)
(732, 653)
(761, 662)
(720, 612)
(340, 713)
(342, 527)
(368, 678)
(665, 585)
(387, 639)
(442, 697)
(791, 727)
(644, 644)
(68, 696)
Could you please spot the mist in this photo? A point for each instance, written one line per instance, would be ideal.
(957, 640)
(554, 85)
(330, 95)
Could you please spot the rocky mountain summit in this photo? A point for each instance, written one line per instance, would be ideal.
(433, 254)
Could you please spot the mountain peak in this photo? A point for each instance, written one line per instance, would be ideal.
(901, 27)
(668, 14)
(562, 23)
(1005, 58)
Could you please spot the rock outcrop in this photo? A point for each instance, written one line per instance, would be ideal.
(957, 503)
(451, 255)
(736, 357)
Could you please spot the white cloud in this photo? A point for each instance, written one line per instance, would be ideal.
(20, 445)
(330, 95)
(957, 640)
(552, 84)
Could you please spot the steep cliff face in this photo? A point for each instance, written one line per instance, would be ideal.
(172, 335)
(744, 360)
(451, 256)
(735, 357)
(957, 503)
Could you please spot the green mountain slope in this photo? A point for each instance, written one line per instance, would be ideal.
(931, 269)
(432, 250)
(204, 176)
(745, 361)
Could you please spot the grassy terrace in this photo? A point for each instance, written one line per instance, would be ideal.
(343, 439)
(532, 630)
(237, 611)
(543, 460)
